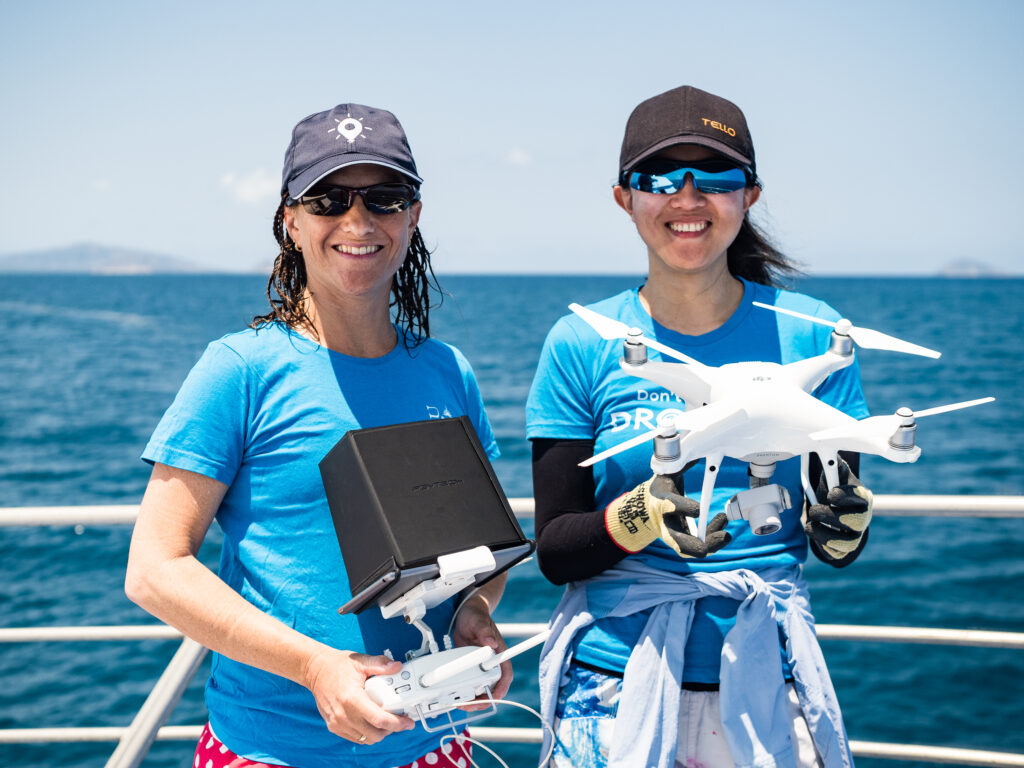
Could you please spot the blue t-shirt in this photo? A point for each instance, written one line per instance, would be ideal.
(258, 412)
(580, 393)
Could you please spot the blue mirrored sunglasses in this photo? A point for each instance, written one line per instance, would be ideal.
(711, 177)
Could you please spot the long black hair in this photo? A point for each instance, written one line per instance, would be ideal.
(410, 288)
(753, 257)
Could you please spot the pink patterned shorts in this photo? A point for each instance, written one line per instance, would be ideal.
(211, 753)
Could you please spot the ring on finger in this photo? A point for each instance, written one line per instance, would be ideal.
(362, 739)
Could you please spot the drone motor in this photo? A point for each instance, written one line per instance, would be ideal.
(840, 342)
(903, 438)
(667, 457)
(634, 351)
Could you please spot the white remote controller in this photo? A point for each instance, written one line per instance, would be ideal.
(436, 683)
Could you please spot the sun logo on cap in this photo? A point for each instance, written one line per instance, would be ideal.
(351, 128)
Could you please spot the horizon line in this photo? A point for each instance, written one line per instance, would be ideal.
(465, 273)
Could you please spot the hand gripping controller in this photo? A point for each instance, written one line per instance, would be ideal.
(436, 683)
(433, 681)
(431, 685)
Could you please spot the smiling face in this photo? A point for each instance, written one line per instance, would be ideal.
(354, 255)
(688, 232)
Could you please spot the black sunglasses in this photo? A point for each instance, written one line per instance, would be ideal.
(334, 200)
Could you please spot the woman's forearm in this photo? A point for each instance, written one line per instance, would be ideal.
(165, 578)
(185, 594)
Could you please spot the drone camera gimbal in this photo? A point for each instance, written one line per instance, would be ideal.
(762, 505)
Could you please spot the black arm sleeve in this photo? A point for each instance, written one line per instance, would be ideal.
(814, 473)
(572, 541)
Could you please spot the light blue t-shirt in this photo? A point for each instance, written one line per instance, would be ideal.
(580, 393)
(258, 412)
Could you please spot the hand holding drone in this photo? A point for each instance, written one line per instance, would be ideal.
(761, 413)
(838, 518)
(658, 509)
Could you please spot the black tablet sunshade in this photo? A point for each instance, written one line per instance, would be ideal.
(404, 494)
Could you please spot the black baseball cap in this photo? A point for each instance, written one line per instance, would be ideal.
(686, 115)
(347, 135)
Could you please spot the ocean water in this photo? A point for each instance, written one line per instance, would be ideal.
(88, 364)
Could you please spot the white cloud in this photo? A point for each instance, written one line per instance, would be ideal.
(101, 185)
(518, 156)
(257, 187)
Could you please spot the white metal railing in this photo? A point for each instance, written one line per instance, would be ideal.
(977, 638)
(135, 740)
(138, 737)
(886, 505)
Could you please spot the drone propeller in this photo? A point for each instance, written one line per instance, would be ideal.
(952, 407)
(610, 329)
(862, 337)
(626, 445)
(881, 428)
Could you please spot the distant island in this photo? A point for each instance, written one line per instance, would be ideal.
(96, 259)
(969, 268)
(93, 259)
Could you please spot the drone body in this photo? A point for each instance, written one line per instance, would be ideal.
(760, 413)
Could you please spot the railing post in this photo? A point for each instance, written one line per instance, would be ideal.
(136, 741)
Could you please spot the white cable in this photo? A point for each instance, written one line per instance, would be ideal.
(487, 749)
(458, 736)
(463, 739)
(473, 591)
(458, 608)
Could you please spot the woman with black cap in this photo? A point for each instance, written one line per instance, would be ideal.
(667, 649)
(242, 441)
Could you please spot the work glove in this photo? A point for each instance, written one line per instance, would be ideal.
(656, 509)
(837, 525)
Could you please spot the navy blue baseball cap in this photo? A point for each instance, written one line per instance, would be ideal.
(347, 135)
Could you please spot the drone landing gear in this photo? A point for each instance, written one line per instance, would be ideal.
(667, 460)
(829, 464)
(761, 506)
(712, 463)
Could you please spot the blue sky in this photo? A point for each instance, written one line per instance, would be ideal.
(888, 133)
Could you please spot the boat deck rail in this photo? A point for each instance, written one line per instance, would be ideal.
(134, 740)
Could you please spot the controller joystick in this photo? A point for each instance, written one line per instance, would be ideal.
(437, 683)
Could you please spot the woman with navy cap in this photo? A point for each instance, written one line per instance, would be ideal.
(242, 441)
(668, 650)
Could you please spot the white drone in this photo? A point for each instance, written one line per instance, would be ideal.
(761, 413)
